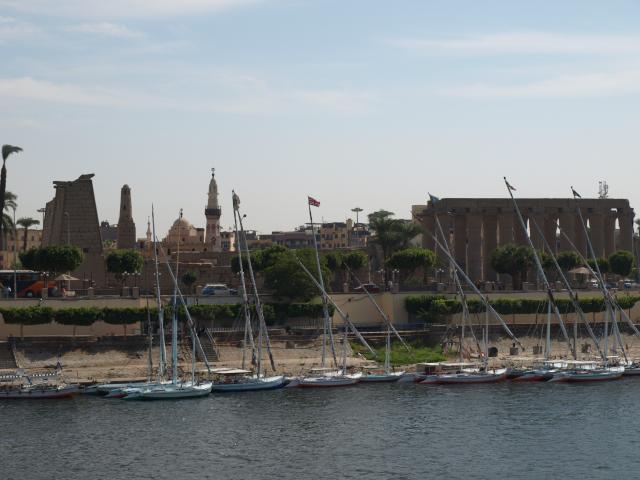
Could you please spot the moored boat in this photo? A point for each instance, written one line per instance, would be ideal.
(169, 391)
(330, 379)
(40, 391)
(239, 380)
(471, 377)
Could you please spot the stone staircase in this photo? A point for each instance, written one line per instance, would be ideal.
(7, 359)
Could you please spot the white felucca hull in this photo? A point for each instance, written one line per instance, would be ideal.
(169, 392)
(329, 381)
(381, 378)
(250, 384)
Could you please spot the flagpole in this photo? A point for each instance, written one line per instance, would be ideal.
(327, 331)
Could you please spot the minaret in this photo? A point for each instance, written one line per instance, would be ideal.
(126, 227)
(148, 244)
(212, 212)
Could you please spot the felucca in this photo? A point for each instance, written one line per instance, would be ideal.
(241, 380)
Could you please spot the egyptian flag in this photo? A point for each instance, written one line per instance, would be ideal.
(313, 202)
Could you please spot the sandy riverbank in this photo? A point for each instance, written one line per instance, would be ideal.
(111, 364)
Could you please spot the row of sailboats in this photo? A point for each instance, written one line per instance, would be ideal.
(545, 369)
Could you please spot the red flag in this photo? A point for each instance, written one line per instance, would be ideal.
(313, 202)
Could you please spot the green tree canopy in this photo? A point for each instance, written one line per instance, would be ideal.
(621, 263)
(55, 259)
(410, 259)
(285, 277)
(124, 261)
(568, 260)
(355, 259)
(26, 223)
(391, 234)
(513, 260)
(189, 278)
(603, 264)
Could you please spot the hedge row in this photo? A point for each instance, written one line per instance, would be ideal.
(432, 306)
(85, 316)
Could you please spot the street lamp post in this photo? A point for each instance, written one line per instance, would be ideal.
(15, 251)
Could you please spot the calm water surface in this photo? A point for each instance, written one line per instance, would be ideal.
(367, 431)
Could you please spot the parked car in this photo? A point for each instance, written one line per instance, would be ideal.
(370, 287)
(217, 289)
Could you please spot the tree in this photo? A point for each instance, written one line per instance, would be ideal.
(189, 278)
(513, 260)
(52, 260)
(410, 259)
(355, 259)
(603, 265)
(568, 260)
(286, 278)
(391, 234)
(26, 223)
(28, 259)
(7, 220)
(124, 261)
(621, 263)
(7, 150)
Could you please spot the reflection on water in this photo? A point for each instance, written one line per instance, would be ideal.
(368, 431)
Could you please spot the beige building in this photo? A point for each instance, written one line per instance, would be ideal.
(16, 245)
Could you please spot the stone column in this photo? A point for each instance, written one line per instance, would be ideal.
(567, 226)
(625, 238)
(460, 239)
(537, 218)
(428, 220)
(505, 228)
(474, 249)
(581, 239)
(519, 235)
(550, 230)
(609, 233)
(489, 244)
(596, 232)
(446, 229)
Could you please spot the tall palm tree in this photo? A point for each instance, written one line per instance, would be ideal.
(26, 222)
(6, 223)
(6, 151)
(391, 234)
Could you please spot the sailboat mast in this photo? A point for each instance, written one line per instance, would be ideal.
(150, 331)
(547, 342)
(463, 298)
(263, 334)
(328, 333)
(248, 334)
(163, 352)
(387, 353)
(174, 318)
(538, 264)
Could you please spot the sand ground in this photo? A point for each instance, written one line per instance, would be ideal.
(113, 364)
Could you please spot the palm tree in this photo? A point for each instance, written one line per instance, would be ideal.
(6, 224)
(26, 222)
(6, 151)
(391, 234)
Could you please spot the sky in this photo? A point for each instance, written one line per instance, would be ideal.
(358, 103)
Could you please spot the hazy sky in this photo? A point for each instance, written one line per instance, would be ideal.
(357, 103)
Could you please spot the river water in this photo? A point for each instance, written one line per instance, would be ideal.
(515, 431)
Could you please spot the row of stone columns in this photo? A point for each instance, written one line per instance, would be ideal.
(474, 235)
